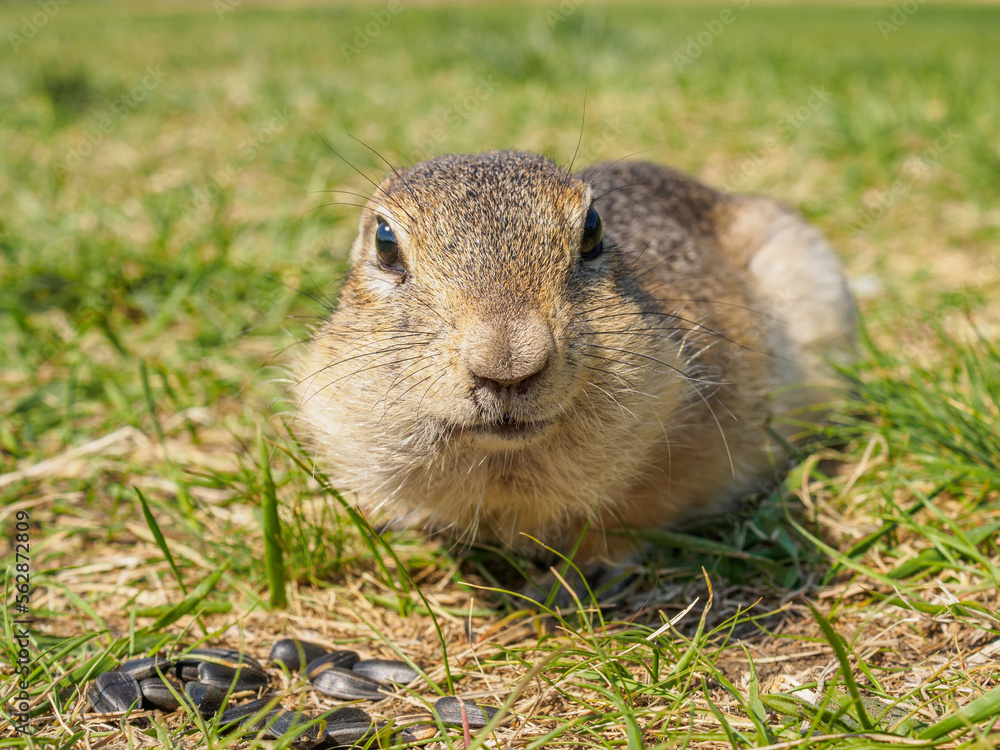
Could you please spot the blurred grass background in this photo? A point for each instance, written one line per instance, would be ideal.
(182, 234)
(165, 239)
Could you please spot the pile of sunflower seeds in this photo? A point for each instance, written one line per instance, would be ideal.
(214, 680)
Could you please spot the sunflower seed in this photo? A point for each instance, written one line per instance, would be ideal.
(208, 699)
(144, 669)
(345, 715)
(281, 723)
(244, 678)
(188, 671)
(348, 734)
(238, 715)
(114, 691)
(345, 684)
(225, 656)
(156, 692)
(450, 710)
(419, 731)
(293, 653)
(344, 659)
(386, 670)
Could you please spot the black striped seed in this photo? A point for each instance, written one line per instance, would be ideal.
(386, 670)
(238, 715)
(156, 693)
(207, 699)
(114, 691)
(345, 715)
(144, 669)
(343, 659)
(293, 653)
(281, 723)
(346, 685)
(225, 656)
(449, 709)
(352, 733)
(225, 677)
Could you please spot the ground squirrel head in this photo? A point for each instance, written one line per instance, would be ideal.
(489, 242)
(485, 252)
(469, 354)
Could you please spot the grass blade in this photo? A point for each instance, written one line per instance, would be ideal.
(274, 562)
(836, 642)
(183, 497)
(176, 612)
(161, 542)
(981, 709)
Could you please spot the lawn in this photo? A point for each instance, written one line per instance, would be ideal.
(167, 236)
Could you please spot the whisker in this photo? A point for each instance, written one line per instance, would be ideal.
(698, 327)
(396, 401)
(353, 374)
(615, 189)
(398, 175)
(579, 140)
(370, 331)
(610, 396)
(640, 254)
(633, 367)
(337, 363)
(420, 403)
(680, 372)
(276, 280)
(368, 199)
(336, 203)
(401, 395)
(617, 375)
(627, 156)
(651, 331)
(369, 179)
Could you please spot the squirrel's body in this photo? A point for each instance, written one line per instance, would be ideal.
(503, 376)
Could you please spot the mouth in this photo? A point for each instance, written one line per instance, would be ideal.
(506, 428)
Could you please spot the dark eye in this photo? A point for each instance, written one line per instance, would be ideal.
(593, 236)
(386, 245)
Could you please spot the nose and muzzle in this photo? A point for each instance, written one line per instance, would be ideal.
(506, 357)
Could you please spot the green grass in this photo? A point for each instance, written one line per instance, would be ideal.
(152, 288)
